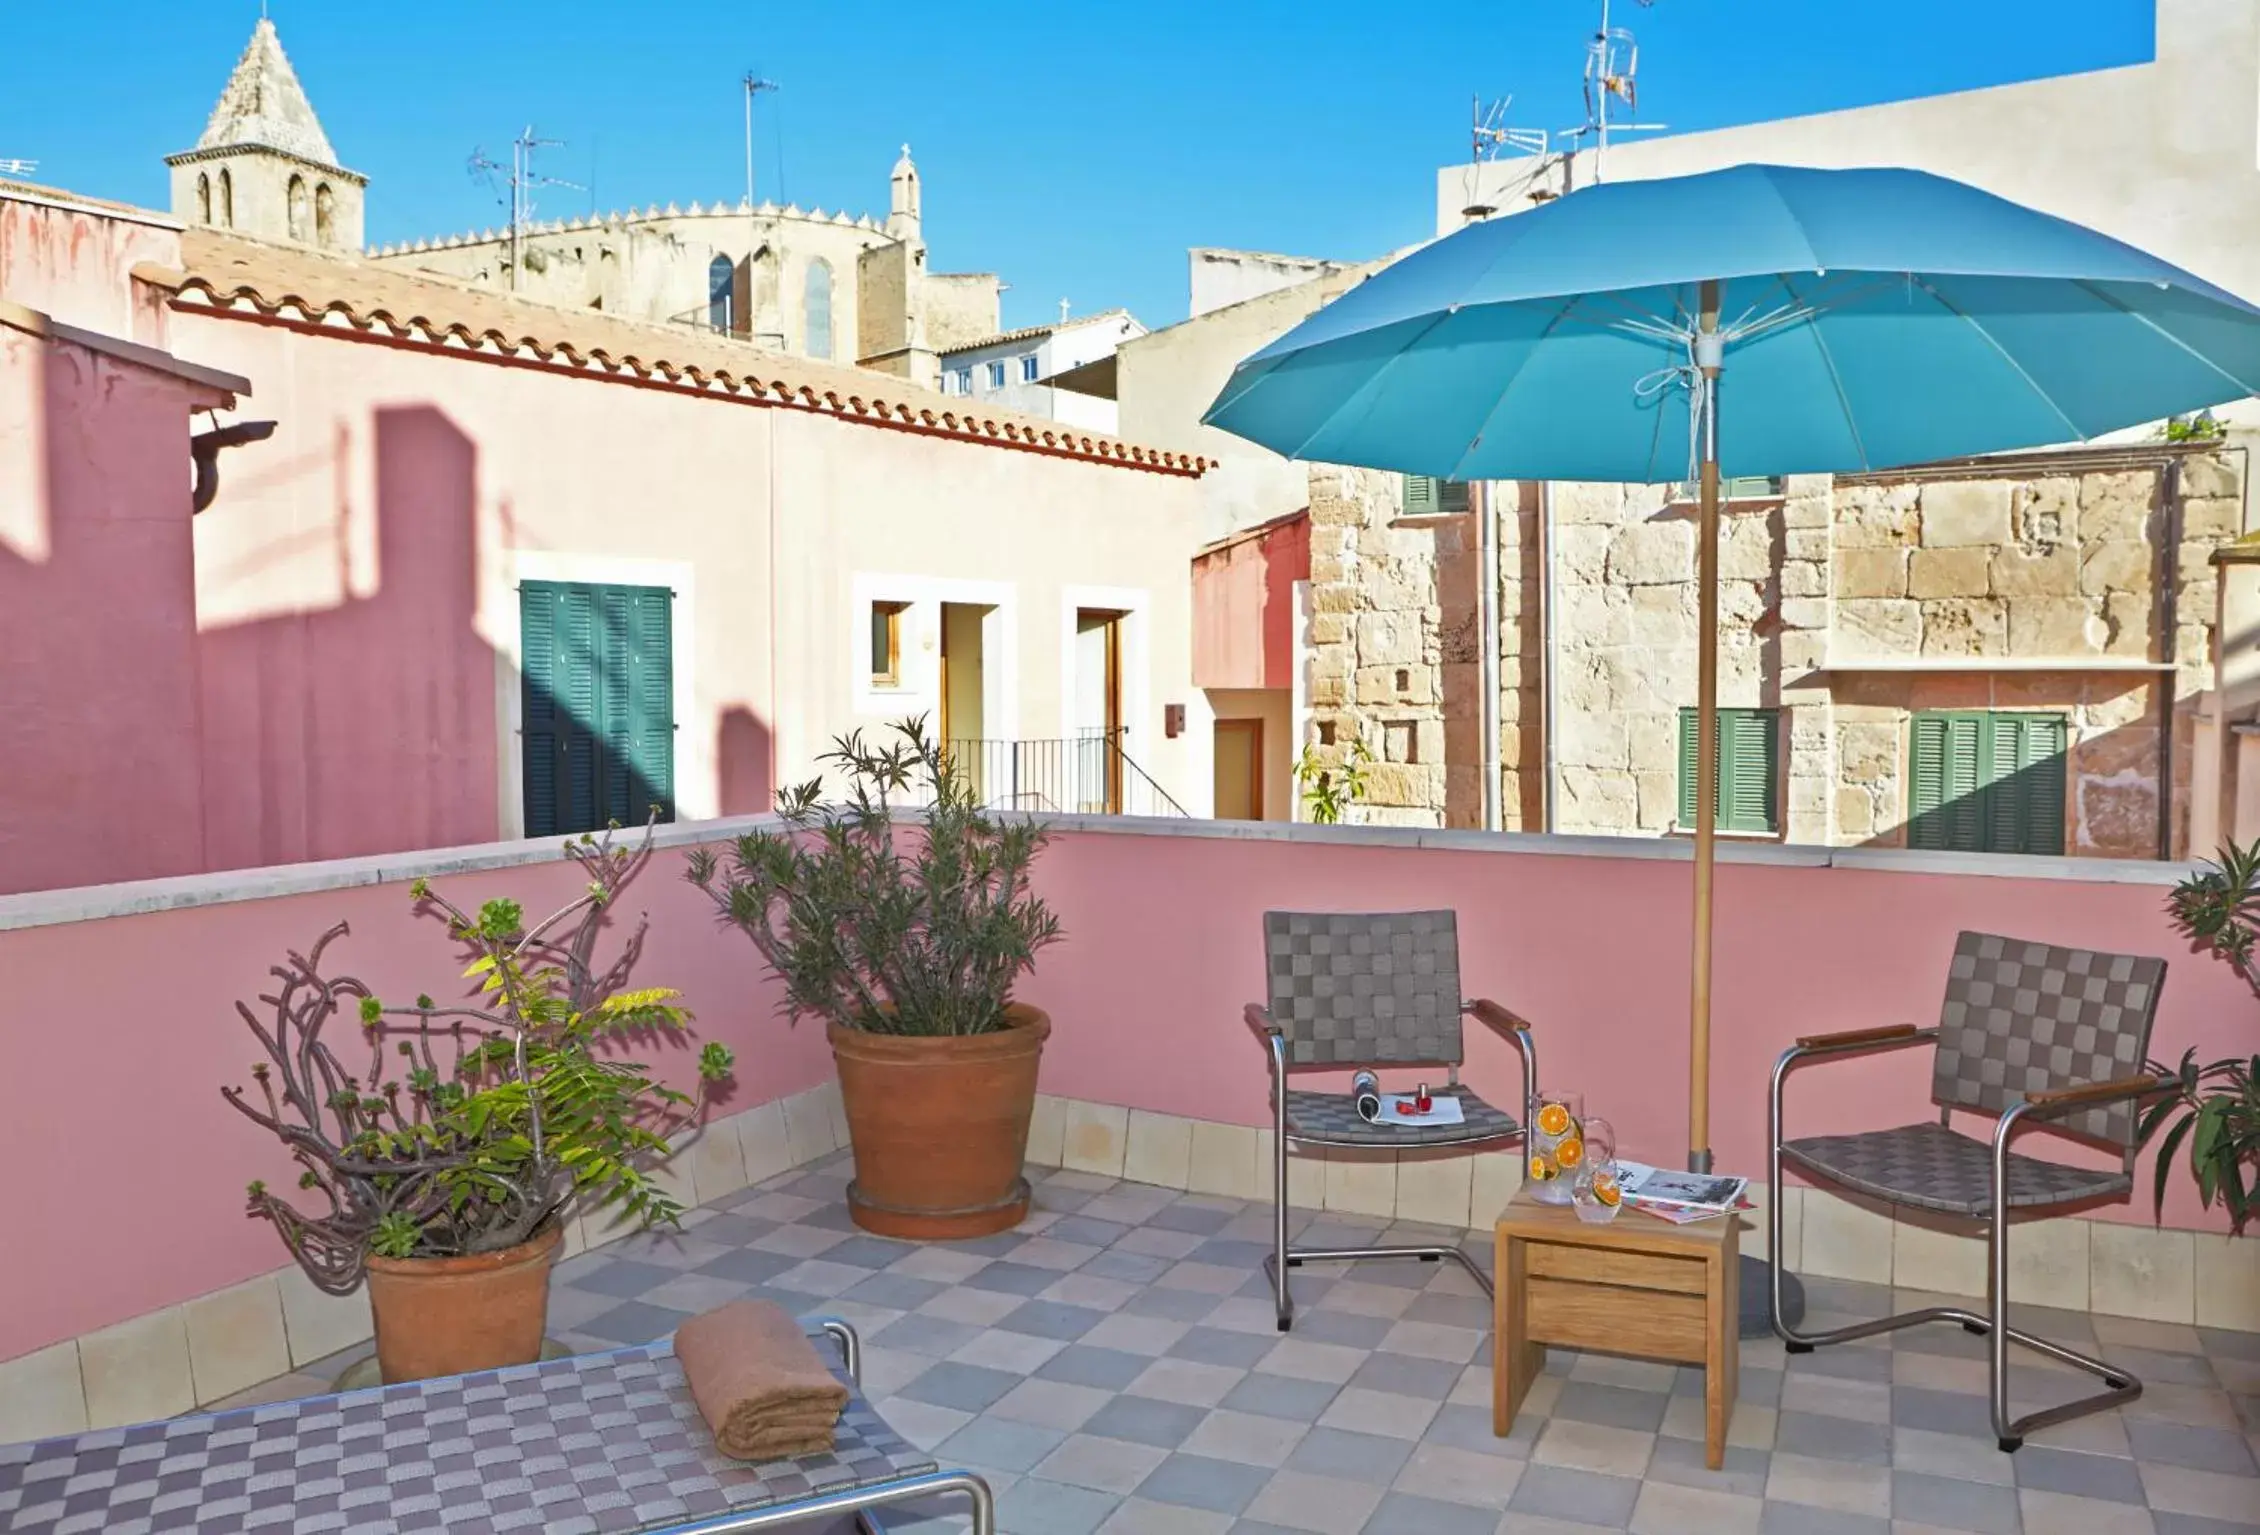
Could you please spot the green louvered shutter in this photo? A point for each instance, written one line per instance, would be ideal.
(2025, 794)
(541, 738)
(598, 705)
(1749, 774)
(1984, 782)
(646, 745)
(1421, 499)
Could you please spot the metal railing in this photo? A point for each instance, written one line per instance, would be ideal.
(1089, 774)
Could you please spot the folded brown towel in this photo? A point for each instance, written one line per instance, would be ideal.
(759, 1382)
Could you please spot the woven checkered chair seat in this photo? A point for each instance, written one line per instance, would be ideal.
(1331, 1119)
(1934, 1168)
(597, 1443)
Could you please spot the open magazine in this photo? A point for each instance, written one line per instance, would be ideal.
(1680, 1197)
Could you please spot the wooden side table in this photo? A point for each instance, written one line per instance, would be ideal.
(1637, 1285)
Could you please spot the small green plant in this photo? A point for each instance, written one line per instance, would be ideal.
(905, 908)
(1330, 788)
(2202, 427)
(2216, 1111)
(475, 1122)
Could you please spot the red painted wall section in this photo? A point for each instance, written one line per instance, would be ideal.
(1244, 606)
(98, 722)
(120, 1031)
(75, 263)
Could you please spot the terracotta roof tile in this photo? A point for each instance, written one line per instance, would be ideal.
(230, 274)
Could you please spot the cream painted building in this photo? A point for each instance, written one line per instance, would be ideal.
(834, 287)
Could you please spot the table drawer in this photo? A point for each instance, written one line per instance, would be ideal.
(1601, 1265)
(1653, 1324)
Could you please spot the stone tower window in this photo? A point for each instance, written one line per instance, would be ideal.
(298, 207)
(325, 216)
(227, 201)
(203, 198)
(721, 290)
(820, 308)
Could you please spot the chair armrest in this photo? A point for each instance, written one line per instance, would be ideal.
(1259, 1019)
(1489, 1013)
(2060, 1100)
(1890, 1036)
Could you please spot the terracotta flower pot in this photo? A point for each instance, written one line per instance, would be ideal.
(450, 1316)
(939, 1125)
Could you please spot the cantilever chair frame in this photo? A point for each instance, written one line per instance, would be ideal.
(1284, 1256)
(2120, 1386)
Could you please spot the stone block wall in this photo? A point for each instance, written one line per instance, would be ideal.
(1929, 574)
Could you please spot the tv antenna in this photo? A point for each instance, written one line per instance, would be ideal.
(1612, 67)
(754, 86)
(514, 186)
(1489, 137)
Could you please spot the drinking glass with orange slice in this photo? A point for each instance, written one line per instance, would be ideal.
(1597, 1189)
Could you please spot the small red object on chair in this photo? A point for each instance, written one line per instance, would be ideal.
(1421, 1103)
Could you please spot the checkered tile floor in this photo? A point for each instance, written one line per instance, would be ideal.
(1113, 1366)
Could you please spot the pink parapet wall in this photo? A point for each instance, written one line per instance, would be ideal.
(1163, 950)
(119, 1031)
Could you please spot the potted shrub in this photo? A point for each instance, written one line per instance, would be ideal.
(447, 1163)
(904, 930)
(2216, 1112)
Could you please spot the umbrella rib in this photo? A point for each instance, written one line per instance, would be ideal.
(1553, 323)
(2087, 286)
(1993, 341)
(1828, 361)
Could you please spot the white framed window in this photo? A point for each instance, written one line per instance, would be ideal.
(958, 381)
(1028, 369)
(996, 375)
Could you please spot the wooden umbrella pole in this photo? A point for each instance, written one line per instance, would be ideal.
(1706, 731)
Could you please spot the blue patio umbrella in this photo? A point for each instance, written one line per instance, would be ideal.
(1852, 320)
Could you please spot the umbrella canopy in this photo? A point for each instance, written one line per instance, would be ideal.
(1854, 319)
(1870, 318)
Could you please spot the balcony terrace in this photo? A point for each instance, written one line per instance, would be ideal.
(1114, 1364)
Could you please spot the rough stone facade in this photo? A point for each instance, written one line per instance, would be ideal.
(1847, 605)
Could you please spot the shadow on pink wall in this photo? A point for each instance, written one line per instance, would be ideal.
(368, 727)
(98, 717)
(743, 745)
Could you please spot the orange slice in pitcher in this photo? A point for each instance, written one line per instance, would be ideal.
(1605, 1189)
(1570, 1152)
(1553, 1119)
(1542, 1169)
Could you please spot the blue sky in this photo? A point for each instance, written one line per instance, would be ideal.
(1076, 149)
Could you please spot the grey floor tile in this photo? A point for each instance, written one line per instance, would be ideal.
(1034, 1506)
(2192, 1524)
(1584, 1496)
(1216, 1345)
(1200, 1481)
(2077, 1474)
(1176, 1305)
(1052, 1319)
(1081, 1228)
(1347, 1328)
(1826, 1438)
(998, 1444)
(1199, 1219)
(1954, 1505)
(966, 1387)
(1081, 1364)
(1134, 1268)
(2202, 1449)
(1463, 1427)
(870, 1252)
(1404, 1513)
(1142, 1420)
(624, 1278)
(1681, 1462)
(634, 1321)
(1278, 1396)
(1803, 1519)
(1407, 1376)
(748, 1266)
(1011, 1278)
(1942, 1412)
(897, 1291)
(1848, 1361)
(1351, 1456)
(1616, 1406)
(930, 1335)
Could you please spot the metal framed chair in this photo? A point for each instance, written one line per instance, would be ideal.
(2029, 1033)
(1374, 990)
